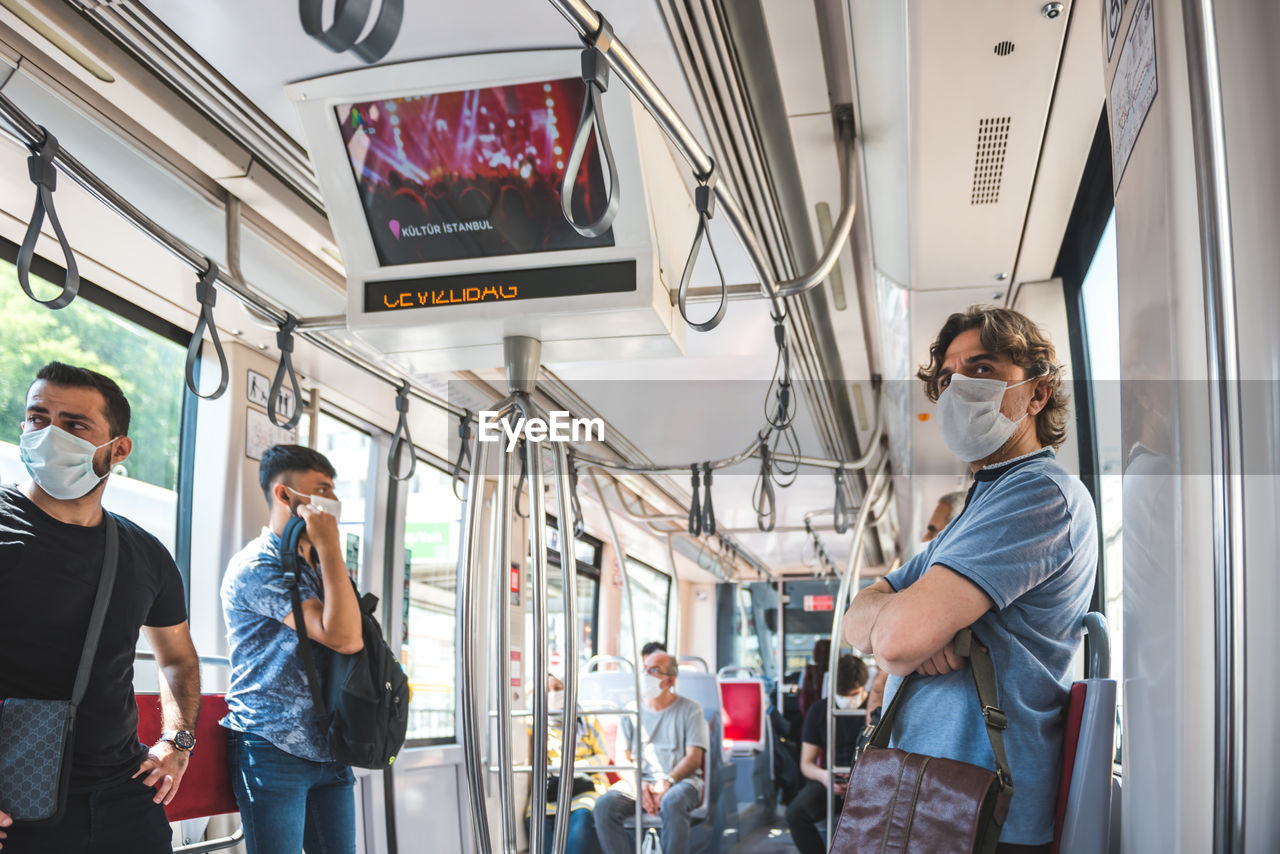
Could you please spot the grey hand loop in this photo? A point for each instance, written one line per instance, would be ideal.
(522, 449)
(284, 340)
(578, 525)
(705, 201)
(44, 174)
(464, 451)
(840, 510)
(349, 19)
(762, 498)
(695, 506)
(401, 439)
(595, 73)
(708, 511)
(207, 296)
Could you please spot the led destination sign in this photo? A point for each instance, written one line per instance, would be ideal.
(500, 286)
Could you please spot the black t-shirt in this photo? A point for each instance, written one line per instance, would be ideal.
(49, 574)
(847, 729)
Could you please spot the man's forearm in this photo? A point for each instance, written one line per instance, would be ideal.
(341, 608)
(685, 768)
(180, 695)
(860, 619)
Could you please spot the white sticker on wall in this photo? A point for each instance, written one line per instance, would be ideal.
(1133, 89)
(260, 434)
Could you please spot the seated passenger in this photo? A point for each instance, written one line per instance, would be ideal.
(673, 738)
(811, 681)
(1018, 565)
(949, 507)
(53, 533)
(650, 648)
(809, 807)
(287, 785)
(589, 750)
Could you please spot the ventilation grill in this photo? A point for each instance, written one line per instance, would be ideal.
(1004, 48)
(988, 160)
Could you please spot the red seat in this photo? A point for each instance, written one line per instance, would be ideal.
(742, 703)
(206, 785)
(1070, 739)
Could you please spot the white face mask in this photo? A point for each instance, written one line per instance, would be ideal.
(59, 463)
(969, 415)
(843, 702)
(555, 701)
(650, 687)
(332, 506)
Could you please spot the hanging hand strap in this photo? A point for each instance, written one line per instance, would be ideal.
(289, 539)
(349, 19)
(705, 200)
(45, 176)
(402, 439)
(695, 505)
(98, 616)
(595, 73)
(708, 511)
(464, 452)
(840, 509)
(284, 340)
(207, 296)
(763, 499)
(984, 680)
(523, 451)
(578, 525)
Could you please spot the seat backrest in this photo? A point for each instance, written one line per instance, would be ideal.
(743, 705)
(702, 689)
(1083, 816)
(611, 689)
(206, 785)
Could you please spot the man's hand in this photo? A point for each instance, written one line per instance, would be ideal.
(649, 800)
(164, 767)
(838, 788)
(943, 661)
(5, 821)
(322, 527)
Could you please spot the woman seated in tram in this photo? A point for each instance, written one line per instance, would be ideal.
(589, 750)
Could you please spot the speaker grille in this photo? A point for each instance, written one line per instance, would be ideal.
(1004, 48)
(988, 160)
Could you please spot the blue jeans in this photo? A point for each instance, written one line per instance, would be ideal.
(615, 807)
(582, 833)
(287, 803)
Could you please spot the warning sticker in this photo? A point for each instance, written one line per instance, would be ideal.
(1133, 89)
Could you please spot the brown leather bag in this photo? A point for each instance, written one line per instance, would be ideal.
(908, 803)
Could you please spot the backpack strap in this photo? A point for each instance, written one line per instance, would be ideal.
(984, 680)
(106, 582)
(289, 539)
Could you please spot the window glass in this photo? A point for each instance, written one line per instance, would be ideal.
(587, 591)
(348, 449)
(432, 533)
(1100, 301)
(148, 367)
(651, 599)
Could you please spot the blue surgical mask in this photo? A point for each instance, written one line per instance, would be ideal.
(59, 463)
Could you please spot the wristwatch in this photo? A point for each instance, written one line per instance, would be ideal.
(181, 739)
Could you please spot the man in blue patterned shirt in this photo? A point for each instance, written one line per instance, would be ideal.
(290, 790)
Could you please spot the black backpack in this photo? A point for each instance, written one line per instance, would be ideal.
(367, 707)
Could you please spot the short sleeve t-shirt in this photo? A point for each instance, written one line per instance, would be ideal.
(1028, 538)
(814, 732)
(667, 736)
(49, 572)
(269, 695)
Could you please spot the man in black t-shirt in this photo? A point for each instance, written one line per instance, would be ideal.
(810, 806)
(52, 537)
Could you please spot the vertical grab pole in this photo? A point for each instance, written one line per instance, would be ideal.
(501, 554)
(621, 556)
(782, 642)
(852, 576)
(568, 581)
(538, 660)
(470, 570)
(675, 580)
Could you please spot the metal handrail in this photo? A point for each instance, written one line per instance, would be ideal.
(597, 660)
(851, 578)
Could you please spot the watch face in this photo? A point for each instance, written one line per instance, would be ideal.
(184, 740)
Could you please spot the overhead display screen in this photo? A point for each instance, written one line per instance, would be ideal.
(504, 286)
(471, 174)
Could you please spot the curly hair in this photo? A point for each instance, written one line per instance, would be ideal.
(1002, 330)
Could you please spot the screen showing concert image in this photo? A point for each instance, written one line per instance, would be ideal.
(472, 174)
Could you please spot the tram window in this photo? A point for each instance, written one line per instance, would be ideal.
(1099, 300)
(432, 533)
(148, 367)
(348, 448)
(651, 601)
(586, 551)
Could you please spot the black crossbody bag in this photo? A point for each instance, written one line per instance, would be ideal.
(36, 736)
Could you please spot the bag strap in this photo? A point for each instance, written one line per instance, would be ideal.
(289, 540)
(98, 617)
(984, 680)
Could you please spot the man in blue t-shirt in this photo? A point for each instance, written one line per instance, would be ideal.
(1017, 564)
(289, 788)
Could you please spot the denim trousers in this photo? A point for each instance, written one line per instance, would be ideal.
(288, 803)
(582, 833)
(118, 818)
(615, 807)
